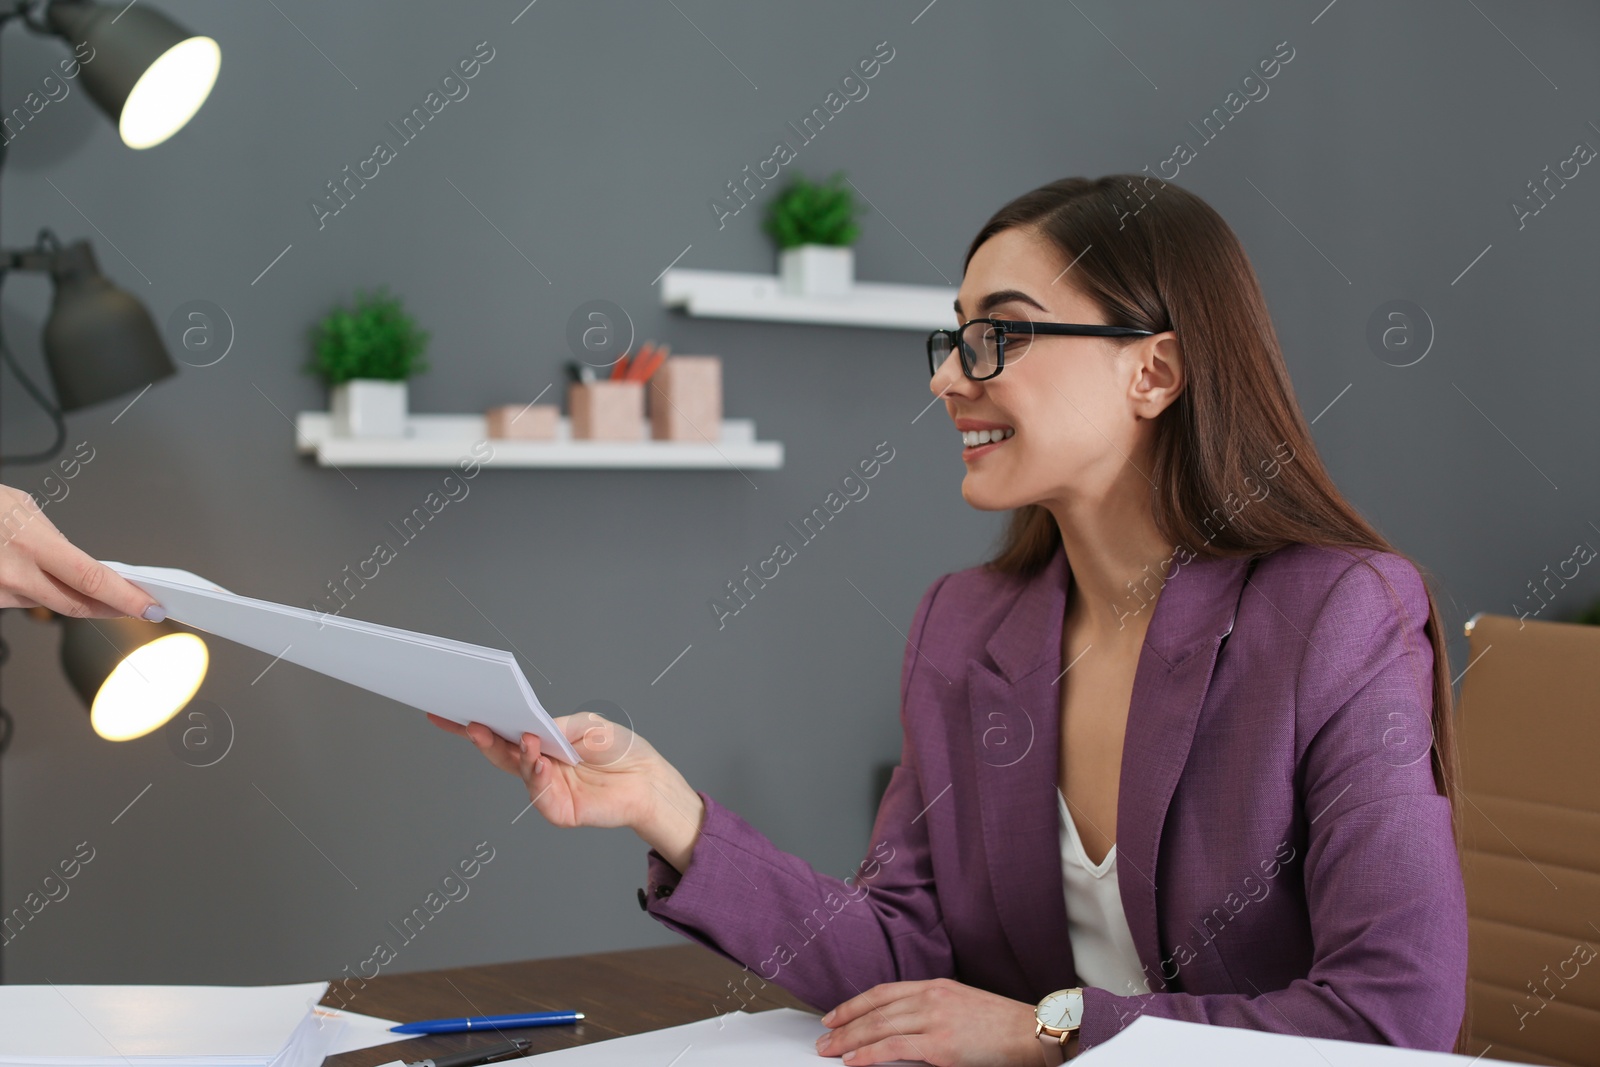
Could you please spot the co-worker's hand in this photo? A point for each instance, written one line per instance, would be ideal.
(39, 567)
(941, 1021)
(622, 781)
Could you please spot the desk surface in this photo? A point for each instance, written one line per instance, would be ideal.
(620, 993)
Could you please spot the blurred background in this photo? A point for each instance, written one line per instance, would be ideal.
(1390, 159)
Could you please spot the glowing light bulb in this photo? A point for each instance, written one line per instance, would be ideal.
(149, 687)
(169, 92)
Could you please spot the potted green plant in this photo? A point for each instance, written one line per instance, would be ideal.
(814, 224)
(365, 353)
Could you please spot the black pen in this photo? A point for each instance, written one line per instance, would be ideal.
(474, 1057)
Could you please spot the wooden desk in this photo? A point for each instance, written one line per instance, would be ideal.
(620, 993)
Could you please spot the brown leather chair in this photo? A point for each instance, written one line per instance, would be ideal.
(1530, 815)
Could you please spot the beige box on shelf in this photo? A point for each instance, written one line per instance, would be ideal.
(523, 422)
(686, 399)
(606, 410)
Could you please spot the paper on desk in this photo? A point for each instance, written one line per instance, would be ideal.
(787, 1038)
(453, 679)
(1150, 1040)
(151, 1025)
(361, 1031)
(782, 1037)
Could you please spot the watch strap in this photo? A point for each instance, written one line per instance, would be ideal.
(1055, 1049)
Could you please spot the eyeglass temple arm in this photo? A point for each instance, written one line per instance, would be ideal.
(1023, 326)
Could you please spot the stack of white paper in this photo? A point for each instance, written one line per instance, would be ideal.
(176, 1026)
(783, 1037)
(1150, 1040)
(453, 679)
(786, 1038)
(359, 1031)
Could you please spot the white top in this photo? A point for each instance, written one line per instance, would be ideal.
(1102, 944)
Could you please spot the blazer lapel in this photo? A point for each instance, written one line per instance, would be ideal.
(1193, 614)
(1015, 707)
(1014, 737)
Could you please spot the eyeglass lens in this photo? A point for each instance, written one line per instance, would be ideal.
(980, 349)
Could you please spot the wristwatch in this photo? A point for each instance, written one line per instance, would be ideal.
(1056, 1019)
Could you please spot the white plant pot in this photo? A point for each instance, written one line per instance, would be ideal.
(817, 270)
(369, 407)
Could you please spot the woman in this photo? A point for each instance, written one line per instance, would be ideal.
(1182, 748)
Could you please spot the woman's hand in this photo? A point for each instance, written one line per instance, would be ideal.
(41, 568)
(940, 1021)
(622, 781)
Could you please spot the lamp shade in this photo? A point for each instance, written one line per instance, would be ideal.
(145, 71)
(133, 675)
(99, 342)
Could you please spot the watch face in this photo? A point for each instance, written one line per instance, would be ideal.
(1061, 1010)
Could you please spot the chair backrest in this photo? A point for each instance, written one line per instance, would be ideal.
(1529, 718)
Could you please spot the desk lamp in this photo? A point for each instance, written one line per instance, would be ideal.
(134, 676)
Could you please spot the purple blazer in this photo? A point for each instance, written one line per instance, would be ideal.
(1284, 860)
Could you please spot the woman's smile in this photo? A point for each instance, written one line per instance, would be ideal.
(970, 452)
(978, 438)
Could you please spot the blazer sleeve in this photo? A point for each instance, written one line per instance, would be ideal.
(1382, 874)
(824, 939)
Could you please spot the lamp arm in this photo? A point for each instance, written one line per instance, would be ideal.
(39, 397)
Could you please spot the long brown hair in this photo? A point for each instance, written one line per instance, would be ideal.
(1154, 256)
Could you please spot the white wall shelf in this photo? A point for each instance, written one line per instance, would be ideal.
(445, 440)
(721, 294)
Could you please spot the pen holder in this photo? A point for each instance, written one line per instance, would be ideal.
(606, 410)
(686, 399)
(523, 422)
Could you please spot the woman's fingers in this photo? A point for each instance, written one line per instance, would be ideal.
(875, 999)
(889, 1034)
(891, 1049)
(40, 566)
(517, 759)
(551, 787)
(446, 725)
(938, 1020)
(500, 752)
(569, 795)
(91, 588)
(527, 757)
(526, 760)
(26, 582)
(97, 590)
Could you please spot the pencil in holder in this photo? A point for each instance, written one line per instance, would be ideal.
(686, 399)
(606, 410)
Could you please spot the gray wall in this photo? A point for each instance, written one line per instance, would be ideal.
(1382, 162)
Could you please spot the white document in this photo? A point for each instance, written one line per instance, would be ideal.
(787, 1038)
(1150, 1040)
(783, 1037)
(153, 1025)
(453, 679)
(359, 1031)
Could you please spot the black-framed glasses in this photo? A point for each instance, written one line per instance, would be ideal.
(982, 342)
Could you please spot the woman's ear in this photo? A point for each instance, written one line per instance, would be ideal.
(1159, 362)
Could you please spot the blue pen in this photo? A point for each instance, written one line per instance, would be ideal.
(488, 1022)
